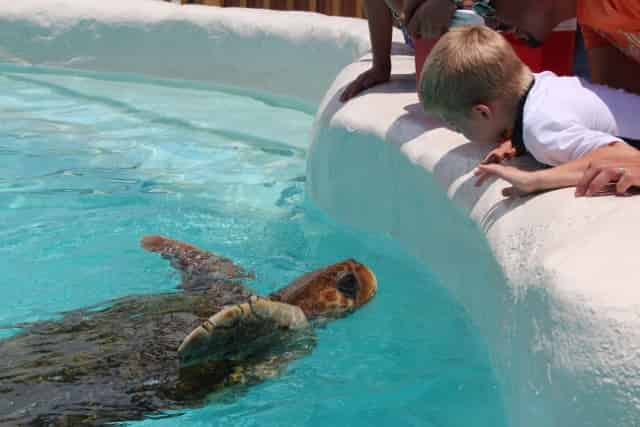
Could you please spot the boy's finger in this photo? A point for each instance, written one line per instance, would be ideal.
(491, 158)
(492, 168)
(499, 170)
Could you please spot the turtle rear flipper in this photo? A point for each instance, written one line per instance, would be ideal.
(244, 331)
(199, 269)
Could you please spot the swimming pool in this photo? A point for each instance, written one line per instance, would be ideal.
(93, 161)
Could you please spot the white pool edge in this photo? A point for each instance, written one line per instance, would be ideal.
(562, 330)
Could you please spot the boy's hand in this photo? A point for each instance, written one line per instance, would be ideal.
(371, 77)
(505, 151)
(523, 182)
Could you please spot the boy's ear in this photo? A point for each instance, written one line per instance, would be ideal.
(481, 111)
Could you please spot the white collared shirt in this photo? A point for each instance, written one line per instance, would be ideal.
(567, 117)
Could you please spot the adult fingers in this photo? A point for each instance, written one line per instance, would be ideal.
(352, 89)
(625, 182)
(362, 82)
(600, 181)
(584, 182)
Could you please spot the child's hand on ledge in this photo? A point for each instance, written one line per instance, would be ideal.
(522, 182)
(504, 151)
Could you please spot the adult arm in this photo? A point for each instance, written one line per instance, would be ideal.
(380, 33)
(565, 175)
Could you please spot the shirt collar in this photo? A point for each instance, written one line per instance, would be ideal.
(517, 137)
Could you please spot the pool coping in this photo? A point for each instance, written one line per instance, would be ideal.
(562, 321)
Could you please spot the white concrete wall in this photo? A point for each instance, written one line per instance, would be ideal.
(295, 54)
(562, 330)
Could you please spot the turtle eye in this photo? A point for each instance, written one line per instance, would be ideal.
(348, 285)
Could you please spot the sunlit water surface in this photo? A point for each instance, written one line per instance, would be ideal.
(92, 162)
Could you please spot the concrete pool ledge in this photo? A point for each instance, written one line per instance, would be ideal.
(549, 280)
(563, 329)
(241, 47)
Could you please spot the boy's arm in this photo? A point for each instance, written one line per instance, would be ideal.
(380, 33)
(565, 175)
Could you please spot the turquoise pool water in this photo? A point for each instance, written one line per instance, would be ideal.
(92, 162)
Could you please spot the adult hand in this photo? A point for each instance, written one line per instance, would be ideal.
(371, 77)
(600, 175)
(523, 182)
(428, 18)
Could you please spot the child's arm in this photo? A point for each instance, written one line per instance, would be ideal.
(380, 32)
(565, 175)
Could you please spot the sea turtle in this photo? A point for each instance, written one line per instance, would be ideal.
(130, 358)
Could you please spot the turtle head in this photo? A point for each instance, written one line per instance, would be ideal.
(240, 331)
(332, 291)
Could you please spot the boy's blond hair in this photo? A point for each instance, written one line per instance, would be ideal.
(471, 65)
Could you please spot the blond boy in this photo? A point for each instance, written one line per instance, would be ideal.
(475, 82)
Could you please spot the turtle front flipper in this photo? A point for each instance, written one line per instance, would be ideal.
(199, 269)
(244, 331)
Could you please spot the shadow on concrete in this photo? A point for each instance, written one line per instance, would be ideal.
(499, 209)
(398, 83)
